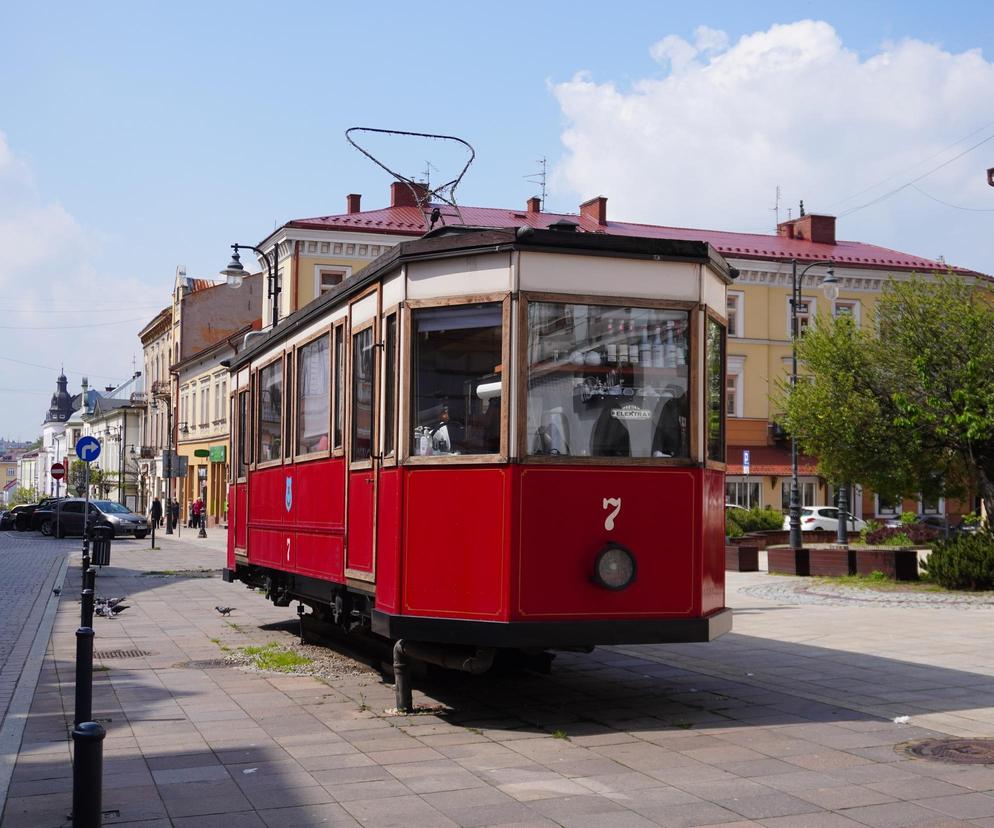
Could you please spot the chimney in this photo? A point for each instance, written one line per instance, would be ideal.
(352, 201)
(534, 205)
(810, 227)
(401, 195)
(595, 209)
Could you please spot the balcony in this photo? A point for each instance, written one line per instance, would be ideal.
(138, 398)
(161, 389)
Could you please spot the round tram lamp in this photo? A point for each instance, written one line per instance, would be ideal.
(614, 568)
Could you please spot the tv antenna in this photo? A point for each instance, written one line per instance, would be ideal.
(776, 206)
(422, 192)
(539, 177)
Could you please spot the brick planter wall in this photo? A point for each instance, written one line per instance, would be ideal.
(832, 561)
(898, 563)
(786, 561)
(742, 558)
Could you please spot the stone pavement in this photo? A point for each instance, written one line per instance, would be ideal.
(785, 723)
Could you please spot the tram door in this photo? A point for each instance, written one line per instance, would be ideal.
(363, 468)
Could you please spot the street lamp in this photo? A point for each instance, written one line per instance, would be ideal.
(234, 273)
(831, 287)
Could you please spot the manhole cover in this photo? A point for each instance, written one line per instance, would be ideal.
(960, 751)
(121, 653)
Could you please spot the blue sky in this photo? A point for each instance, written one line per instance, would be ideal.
(140, 136)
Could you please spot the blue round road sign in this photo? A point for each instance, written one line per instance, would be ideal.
(88, 449)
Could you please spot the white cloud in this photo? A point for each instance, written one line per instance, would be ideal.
(707, 143)
(46, 269)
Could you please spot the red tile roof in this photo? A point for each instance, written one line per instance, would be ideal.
(772, 460)
(409, 221)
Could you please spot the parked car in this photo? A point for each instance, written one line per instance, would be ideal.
(824, 517)
(6, 520)
(938, 522)
(22, 515)
(45, 505)
(66, 518)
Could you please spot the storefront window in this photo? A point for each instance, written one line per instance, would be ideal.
(607, 381)
(456, 383)
(714, 351)
(313, 396)
(271, 412)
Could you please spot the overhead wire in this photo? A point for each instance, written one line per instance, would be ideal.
(62, 368)
(954, 206)
(69, 327)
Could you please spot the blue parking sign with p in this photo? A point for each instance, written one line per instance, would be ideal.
(88, 449)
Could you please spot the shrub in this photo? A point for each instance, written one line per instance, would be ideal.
(911, 534)
(732, 527)
(907, 518)
(871, 527)
(965, 562)
(755, 520)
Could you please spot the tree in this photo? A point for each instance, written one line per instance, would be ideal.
(906, 406)
(77, 475)
(23, 494)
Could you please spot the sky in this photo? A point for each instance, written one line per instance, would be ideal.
(137, 137)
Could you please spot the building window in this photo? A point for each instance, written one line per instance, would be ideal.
(218, 408)
(735, 314)
(806, 489)
(313, 396)
(734, 402)
(888, 507)
(928, 505)
(204, 409)
(328, 280)
(846, 307)
(270, 412)
(806, 310)
(743, 492)
(224, 400)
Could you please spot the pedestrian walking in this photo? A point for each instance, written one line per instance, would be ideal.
(197, 509)
(156, 512)
(174, 507)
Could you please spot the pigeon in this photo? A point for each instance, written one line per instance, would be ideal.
(109, 602)
(57, 591)
(104, 612)
(224, 610)
(117, 608)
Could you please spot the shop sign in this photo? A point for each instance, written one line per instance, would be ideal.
(219, 454)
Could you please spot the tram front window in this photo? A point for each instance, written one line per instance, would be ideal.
(456, 383)
(607, 381)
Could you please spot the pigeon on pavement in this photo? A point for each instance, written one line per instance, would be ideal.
(224, 610)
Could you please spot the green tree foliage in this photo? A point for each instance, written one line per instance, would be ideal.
(23, 494)
(906, 406)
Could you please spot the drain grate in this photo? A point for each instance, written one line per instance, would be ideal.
(959, 751)
(204, 664)
(120, 653)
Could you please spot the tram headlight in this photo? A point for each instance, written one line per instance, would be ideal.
(614, 568)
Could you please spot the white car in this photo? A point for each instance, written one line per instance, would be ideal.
(824, 517)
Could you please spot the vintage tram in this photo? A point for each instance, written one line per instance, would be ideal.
(493, 438)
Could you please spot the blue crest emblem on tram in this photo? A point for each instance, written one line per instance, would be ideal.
(289, 493)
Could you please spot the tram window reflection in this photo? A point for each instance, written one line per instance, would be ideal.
(270, 412)
(313, 396)
(606, 381)
(456, 383)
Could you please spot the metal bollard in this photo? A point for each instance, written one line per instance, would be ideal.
(86, 608)
(87, 775)
(402, 678)
(84, 676)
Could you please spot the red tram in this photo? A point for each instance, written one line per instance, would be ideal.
(494, 439)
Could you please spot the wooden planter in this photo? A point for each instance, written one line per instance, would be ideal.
(832, 561)
(744, 558)
(897, 563)
(786, 561)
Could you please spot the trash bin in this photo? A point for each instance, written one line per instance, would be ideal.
(100, 547)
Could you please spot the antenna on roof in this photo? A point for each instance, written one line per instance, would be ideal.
(422, 192)
(776, 206)
(539, 178)
(426, 172)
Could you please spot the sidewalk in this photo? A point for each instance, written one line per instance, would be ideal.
(785, 723)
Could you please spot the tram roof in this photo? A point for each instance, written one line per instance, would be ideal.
(460, 241)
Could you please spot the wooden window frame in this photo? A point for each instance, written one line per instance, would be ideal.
(237, 430)
(406, 366)
(391, 459)
(256, 419)
(353, 332)
(303, 457)
(336, 327)
(693, 390)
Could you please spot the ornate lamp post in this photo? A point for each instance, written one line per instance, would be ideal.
(234, 273)
(831, 287)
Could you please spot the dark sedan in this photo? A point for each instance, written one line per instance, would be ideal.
(66, 518)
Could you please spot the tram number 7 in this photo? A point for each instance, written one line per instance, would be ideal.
(608, 503)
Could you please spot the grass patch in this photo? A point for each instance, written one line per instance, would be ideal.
(560, 734)
(879, 582)
(276, 658)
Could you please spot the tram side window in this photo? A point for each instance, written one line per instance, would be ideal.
(714, 350)
(270, 416)
(244, 434)
(338, 426)
(363, 368)
(607, 381)
(313, 400)
(456, 383)
(390, 386)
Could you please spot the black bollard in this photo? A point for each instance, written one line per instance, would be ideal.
(87, 775)
(86, 609)
(84, 675)
(402, 678)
